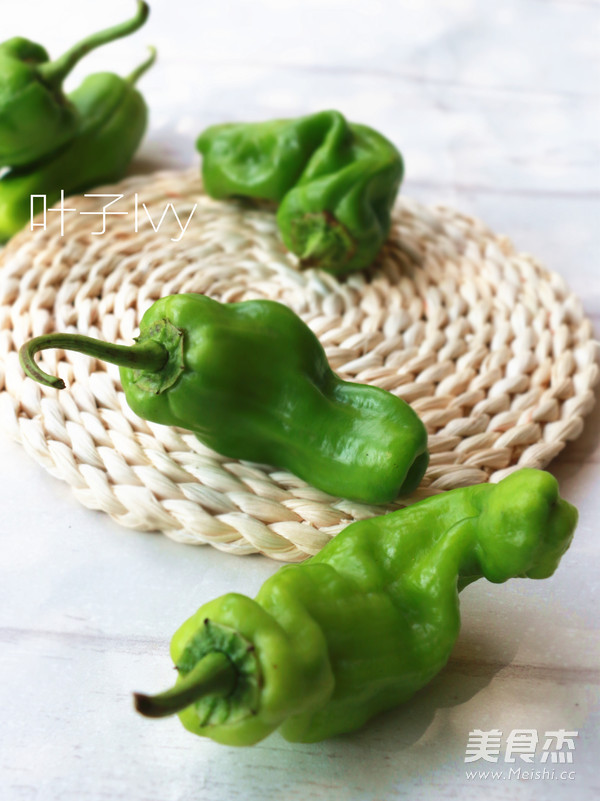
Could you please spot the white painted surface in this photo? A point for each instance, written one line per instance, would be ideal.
(496, 110)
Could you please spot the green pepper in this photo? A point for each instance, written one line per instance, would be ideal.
(252, 381)
(363, 625)
(112, 119)
(335, 182)
(36, 118)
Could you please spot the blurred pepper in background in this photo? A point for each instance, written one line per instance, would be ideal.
(54, 142)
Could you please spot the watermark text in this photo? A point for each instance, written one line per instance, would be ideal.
(38, 205)
(521, 746)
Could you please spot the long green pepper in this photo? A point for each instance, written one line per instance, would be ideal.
(362, 626)
(252, 381)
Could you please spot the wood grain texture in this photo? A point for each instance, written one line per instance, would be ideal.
(496, 110)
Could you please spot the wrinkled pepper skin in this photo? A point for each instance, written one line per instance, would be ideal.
(371, 619)
(113, 117)
(36, 117)
(252, 381)
(335, 182)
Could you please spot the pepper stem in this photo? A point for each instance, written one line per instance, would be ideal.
(148, 355)
(213, 674)
(145, 65)
(54, 72)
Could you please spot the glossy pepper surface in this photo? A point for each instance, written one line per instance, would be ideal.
(363, 625)
(252, 381)
(335, 182)
(36, 117)
(112, 120)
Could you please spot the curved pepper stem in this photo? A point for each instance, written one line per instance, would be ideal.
(54, 72)
(149, 355)
(137, 73)
(212, 675)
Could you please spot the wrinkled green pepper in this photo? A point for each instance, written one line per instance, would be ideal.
(113, 118)
(252, 381)
(36, 118)
(363, 625)
(335, 182)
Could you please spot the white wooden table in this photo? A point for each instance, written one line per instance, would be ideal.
(496, 110)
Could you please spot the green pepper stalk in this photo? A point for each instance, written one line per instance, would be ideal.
(112, 120)
(252, 381)
(36, 118)
(359, 628)
(335, 182)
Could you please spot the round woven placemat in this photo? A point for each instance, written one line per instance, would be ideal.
(492, 351)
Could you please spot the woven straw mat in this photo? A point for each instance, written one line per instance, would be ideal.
(492, 351)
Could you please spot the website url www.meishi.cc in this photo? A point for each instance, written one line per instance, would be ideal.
(521, 774)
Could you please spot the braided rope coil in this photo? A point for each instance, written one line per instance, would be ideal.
(493, 352)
